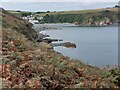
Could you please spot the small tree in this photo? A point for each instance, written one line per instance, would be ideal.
(48, 11)
(116, 6)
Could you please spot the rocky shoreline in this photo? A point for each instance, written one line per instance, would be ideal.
(47, 26)
(44, 38)
(97, 24)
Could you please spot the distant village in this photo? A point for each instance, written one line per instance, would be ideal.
(28, 16)
(32, 19)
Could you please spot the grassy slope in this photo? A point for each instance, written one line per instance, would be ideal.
(13, 22)
(97, 17)
(70, 12)
(34, 65)
(79, 11)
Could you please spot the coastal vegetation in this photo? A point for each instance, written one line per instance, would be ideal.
(29, 64)
(93, 17)
(76, 11)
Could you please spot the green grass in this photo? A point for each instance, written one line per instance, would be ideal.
(66, 12)
(78, 11)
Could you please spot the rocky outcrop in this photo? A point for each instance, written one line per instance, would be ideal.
(105, 22)
(68, 45)
(64, 44)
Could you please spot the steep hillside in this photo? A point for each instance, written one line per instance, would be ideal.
(77, 11)
(28, 64)
(98, 17)
(13, 22)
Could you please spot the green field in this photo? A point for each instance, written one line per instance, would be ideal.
(66, 12)
(78, 11)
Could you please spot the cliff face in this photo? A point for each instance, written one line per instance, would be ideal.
(28, 64)
(103, 18)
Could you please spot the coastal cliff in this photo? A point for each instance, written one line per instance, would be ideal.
(29, 64)
(100, 17)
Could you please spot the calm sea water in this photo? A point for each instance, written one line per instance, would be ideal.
(97, 46)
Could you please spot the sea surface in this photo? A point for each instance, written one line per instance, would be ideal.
(96, 46)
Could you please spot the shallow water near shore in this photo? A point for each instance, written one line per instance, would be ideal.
(97, 46)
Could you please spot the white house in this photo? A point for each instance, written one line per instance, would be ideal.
(34, 21)
(40, 18)
(31, 19)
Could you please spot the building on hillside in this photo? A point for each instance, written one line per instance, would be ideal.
(34, 21)
(30, 19)
(39, 18)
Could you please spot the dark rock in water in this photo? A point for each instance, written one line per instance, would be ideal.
(68, 45)
(60, 39)
(58, 53)
(49, 40)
